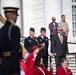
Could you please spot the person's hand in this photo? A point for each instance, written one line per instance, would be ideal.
(51, 65)
(66, 54)
(54, 28)
(66, 33)
(54, 54)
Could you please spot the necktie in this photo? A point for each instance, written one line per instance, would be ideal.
(61, 38)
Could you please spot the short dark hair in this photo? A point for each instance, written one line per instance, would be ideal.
(62, 16)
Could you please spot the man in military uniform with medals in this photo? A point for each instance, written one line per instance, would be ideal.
(43, 42)
(30, 41)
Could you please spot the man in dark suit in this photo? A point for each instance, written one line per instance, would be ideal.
(30, 41)
(59, 46)
(42, 39)
(53, 29)
(10, 43)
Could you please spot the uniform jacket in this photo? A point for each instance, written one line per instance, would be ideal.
(0, 56)
(37, 71)
(60, 71)
(0, 50)
(29, 43)
(51, 26)
(10, 64)
(59, 48)
(29, 63)
(43, 51)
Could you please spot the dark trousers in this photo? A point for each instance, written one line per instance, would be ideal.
(6, 67)
(58, 60)
(51, 42)
(45, 61)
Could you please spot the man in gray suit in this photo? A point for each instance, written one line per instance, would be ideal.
(59, 46)
(53, 29)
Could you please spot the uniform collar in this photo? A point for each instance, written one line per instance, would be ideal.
(32, 36)
(12, 22)
(42, 36)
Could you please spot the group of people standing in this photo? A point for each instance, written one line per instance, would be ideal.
(37, 61)
(41, 41)
(58, 35)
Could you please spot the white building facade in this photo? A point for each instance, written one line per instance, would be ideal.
(38, 13)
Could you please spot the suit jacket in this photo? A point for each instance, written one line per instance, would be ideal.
(29, 43)
(37, 71)
(51, 26)
(10, 64)
(60, 71)
(43, 51)
(58, 47)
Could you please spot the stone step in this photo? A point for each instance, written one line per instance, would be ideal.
(72, 64)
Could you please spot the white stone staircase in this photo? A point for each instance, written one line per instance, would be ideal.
(72, 64)
(70, 57)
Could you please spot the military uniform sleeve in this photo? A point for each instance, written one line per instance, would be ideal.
(0, 55)
(47, 43)
(0, 52)
(15, 42)
(25, 43)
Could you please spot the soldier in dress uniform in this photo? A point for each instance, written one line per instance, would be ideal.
(30, 41)
(10, 43)
(42, 39)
